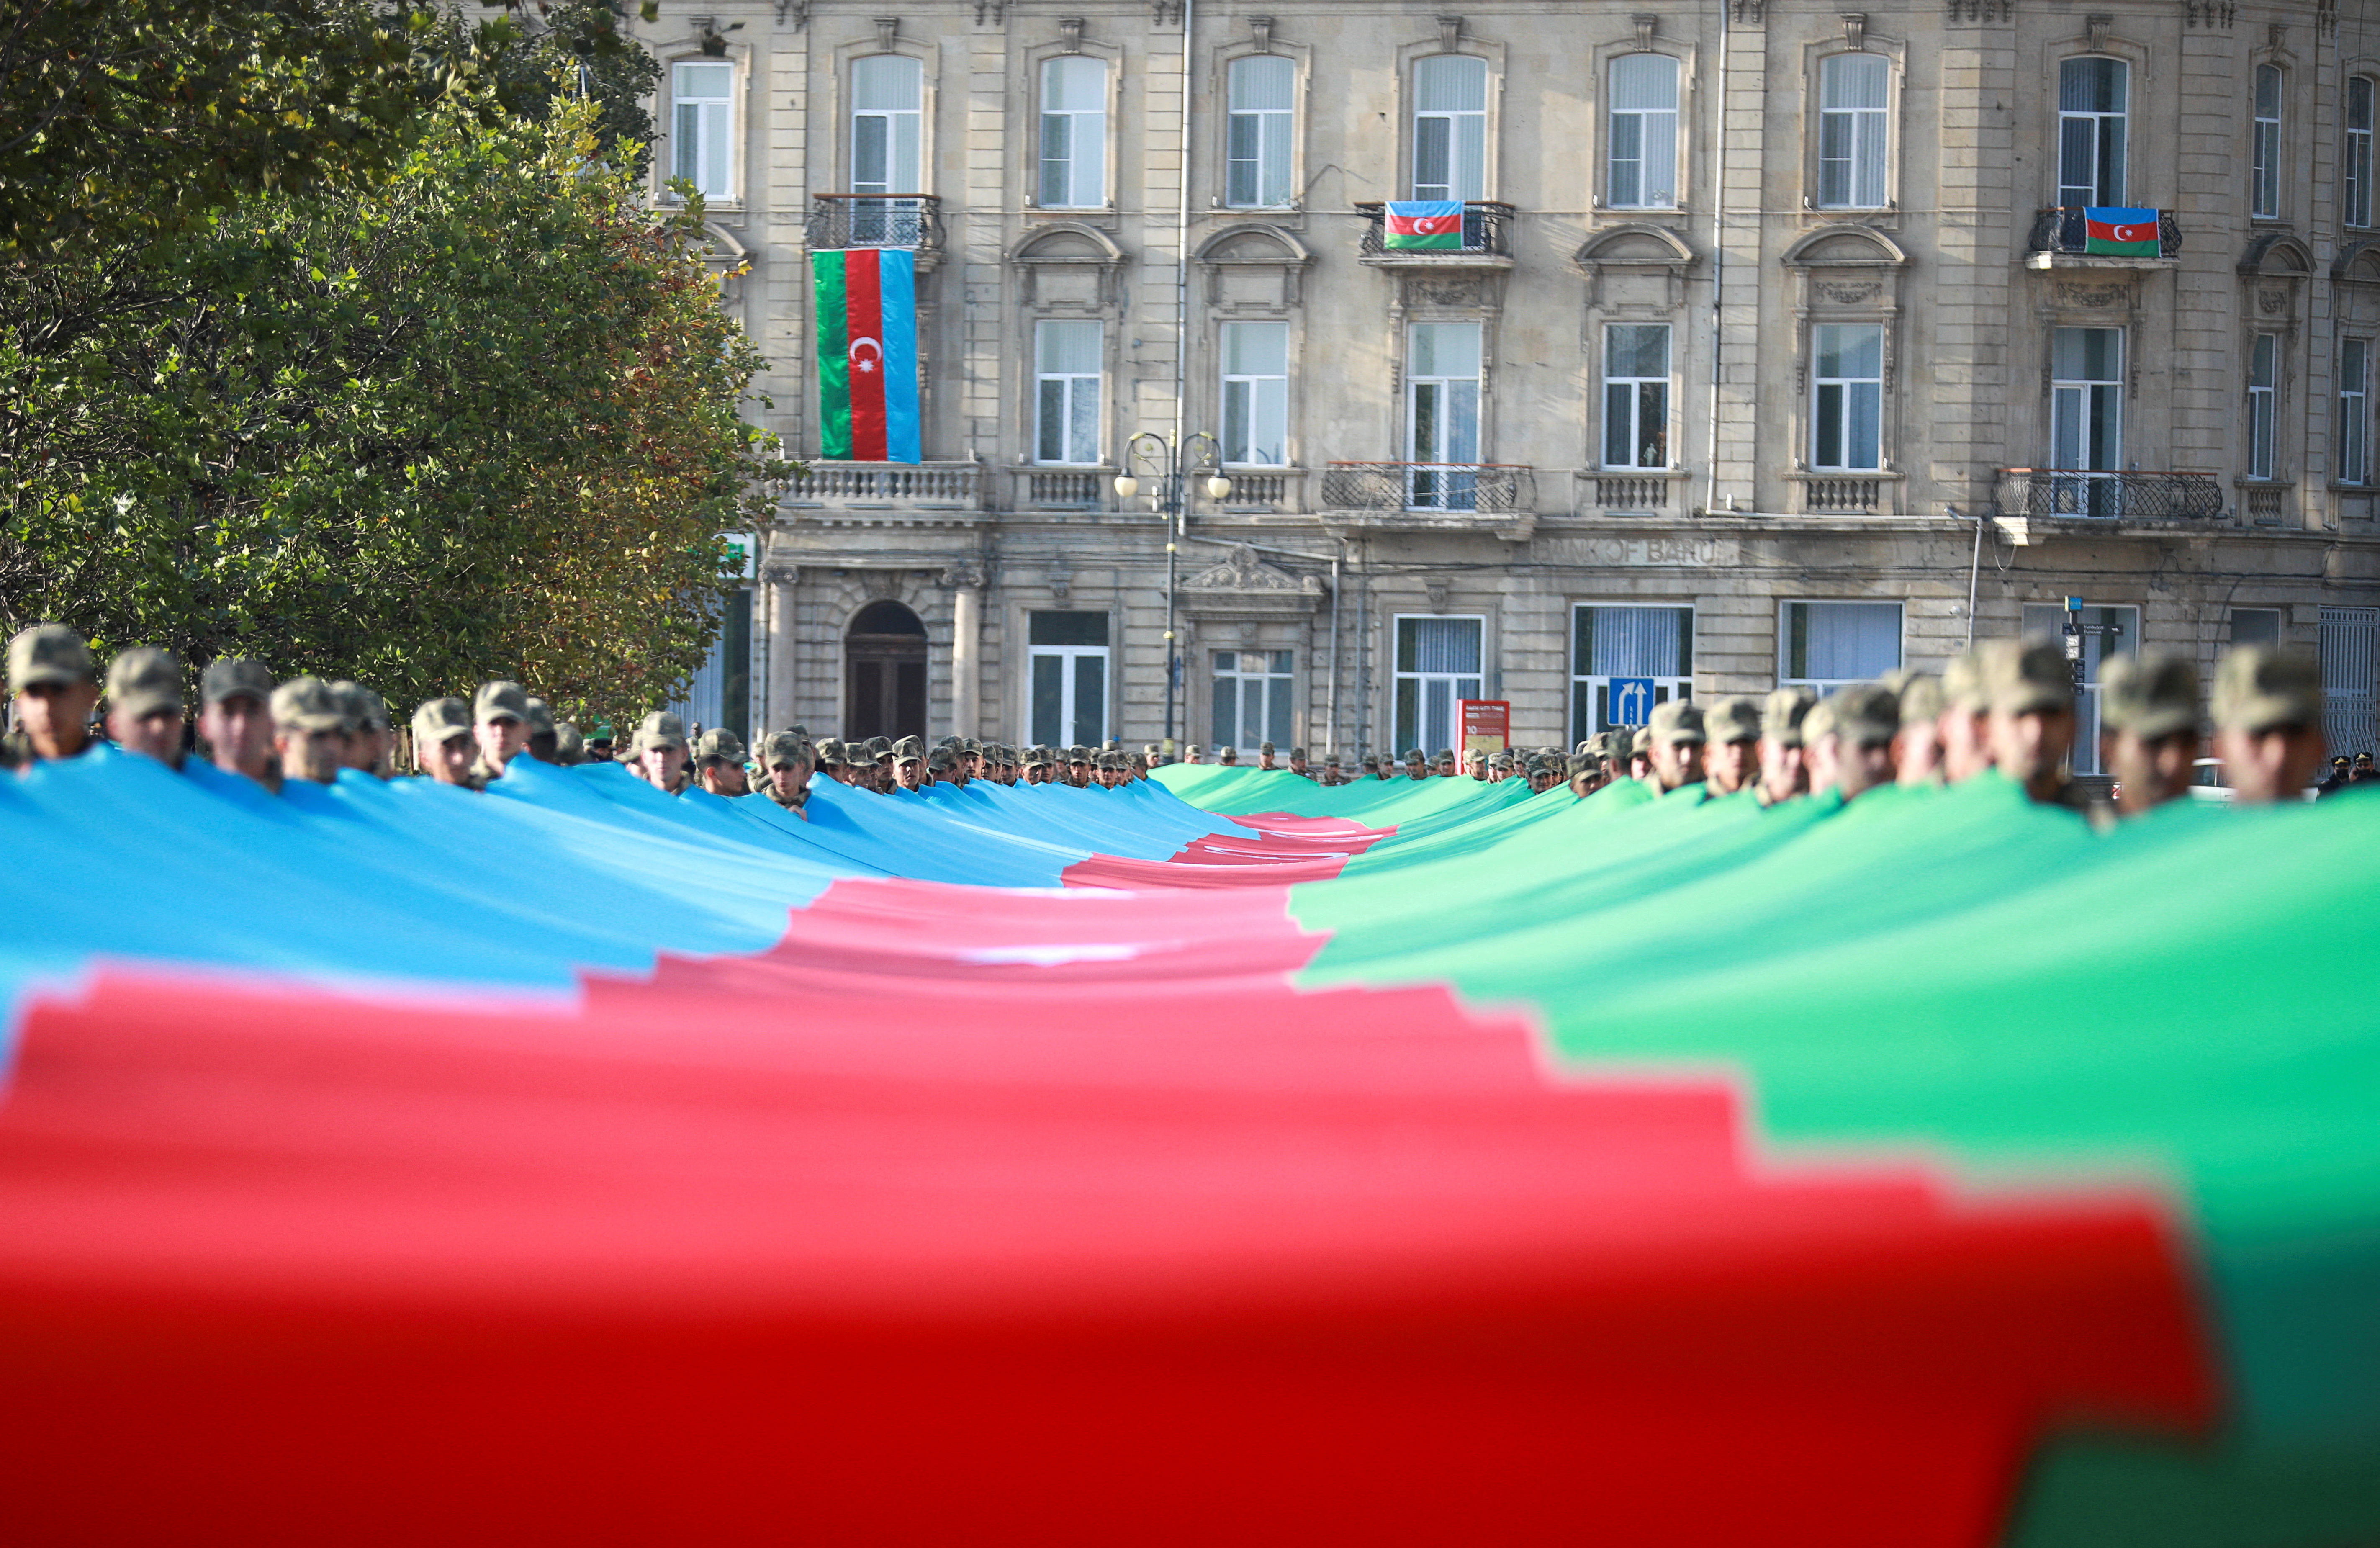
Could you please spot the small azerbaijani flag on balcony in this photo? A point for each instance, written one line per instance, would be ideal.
(866, 301)
(2112, 233)
(1425, 224)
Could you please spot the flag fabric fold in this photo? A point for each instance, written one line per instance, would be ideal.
(866, 308)
(1425, 225)
(2110, 232)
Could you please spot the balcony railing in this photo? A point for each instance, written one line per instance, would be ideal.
(901, 485)
(2089, 495)
(1487, 232)
(2062, 231)
(1491, 487)
(867, 220)
(1060, 489)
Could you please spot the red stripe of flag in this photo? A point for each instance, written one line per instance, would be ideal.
(864, 307)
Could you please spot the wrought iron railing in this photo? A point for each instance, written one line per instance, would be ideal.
(1487, 229)
(1429, 487)
(2063, 228)
(867, 220)
(2109, 497)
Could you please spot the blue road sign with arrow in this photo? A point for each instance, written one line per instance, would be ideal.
(1632, 702)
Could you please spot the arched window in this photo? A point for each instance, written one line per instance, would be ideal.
(2264, 147)
(1855, 130)
(1641, 166)
(1449, 128)
(2092, 98)
(1073, 133)
(1263, 96)
(887, 114)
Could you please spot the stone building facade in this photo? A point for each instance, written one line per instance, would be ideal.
(1774, 349)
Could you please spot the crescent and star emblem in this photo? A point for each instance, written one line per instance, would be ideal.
(872, 359)
(2128, 234)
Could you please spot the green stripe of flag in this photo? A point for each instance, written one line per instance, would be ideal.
(834, 357)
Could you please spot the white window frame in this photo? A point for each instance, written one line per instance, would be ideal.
(2090, 489)
(2264, 402)
(1631, 402)
(2095, 122)
(1590, 692)
(2355, 412)
(1459, 686)
(1069, 679)
(2049, 619)
(2355, 168)
(1656, 185)
(1271, 133)
(2264, 141)
(1274, 681)
(709, 136)
(1071, 385)
(1424, 489)
(1467, 182)
(1843, 457)
(1249, 398)
(892, 125)
(1865, 135)
(1785, 675)
(1086, 128)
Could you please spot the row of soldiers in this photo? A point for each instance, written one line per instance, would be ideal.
(781, 765)
(1543, 768)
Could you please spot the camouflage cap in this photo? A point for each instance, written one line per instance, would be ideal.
(49, 653)
(1194, 750)
(1921, 697)
(2025, 676)
(829, 751)
(1819, 723)
(908, 748)
(1035, 758)
(1678, 721)
(1371, 760)
(145, 680)
(502, 700)
(2153, 695)
(1865, 715)
(1735, 718)
(1641, 744)
(1152, 749)
(659, 729)
(1499, 761)
(1584, 764)
(1297, 752)
(974, 746)
(1416, 755)
(364, 710)
(1963, 684)
(1263, 746)
(569, 747)
(441, 720)
(235, 677)
(943, 758)
(879, 747)
(2267, 688)
(798, 729)
(1078, 755)
(1331, 761)
(1782, 717)
(307, 704)
(719, 745)
(540, 715)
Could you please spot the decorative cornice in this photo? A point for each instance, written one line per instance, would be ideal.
(1070, 34)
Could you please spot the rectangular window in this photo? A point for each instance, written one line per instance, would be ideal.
(2263, 368)
(2086, 418)
(2264, 148)
(2092, 97)
(1252, 699)
(1623, 660)
(2354, 410)
(1262, 97)
(2255, 626)
(1066, 382)
(2118, 634)
(1437, 665)
(1449, 129)
(1828, 645)
(1073, 133)
(1256, 394)
(1069, 673)
(2355, 178)
(1641, 166)
(1637, 395)
(1855, 130)
(1442, 417)
(701, 96)
(887, 110)
(1847, 406)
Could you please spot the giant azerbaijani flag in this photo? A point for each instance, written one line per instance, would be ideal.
(867, 354)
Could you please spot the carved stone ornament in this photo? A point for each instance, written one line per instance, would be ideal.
(2094, 30)
(1070, 34)
(1855, 30)
(1752, 13)
(2272, 304)
(1260, 28)
(1165, 13)
(991, 10)
(1240, 570)
(778, 572)
(1450, 33)
(1646, 27)
(1982, 10)
(888, 31)
(1446, 292)
(882, 584)
(1062, 587)
(2092, 296)
(2209, 13)
(1848, 293)
(1436, 589)
(966, 575)
(794, 13)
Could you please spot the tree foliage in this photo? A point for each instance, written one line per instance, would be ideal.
(477, 418)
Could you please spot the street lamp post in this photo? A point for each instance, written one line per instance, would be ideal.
(1169, 464)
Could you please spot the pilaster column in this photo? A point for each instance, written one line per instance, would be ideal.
(780, 706)
(966, 583)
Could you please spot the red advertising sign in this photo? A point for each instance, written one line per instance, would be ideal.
(1487, 724)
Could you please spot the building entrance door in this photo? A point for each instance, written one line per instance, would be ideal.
(884, 673)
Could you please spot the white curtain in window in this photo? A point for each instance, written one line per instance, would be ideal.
(1849, 641)
(887, 99)
(1635, 642)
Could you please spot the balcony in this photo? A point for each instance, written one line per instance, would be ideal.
(2060, 496)
(1060, 489)
(839, 221)
(2061, 240)
(1264, 491)
(870, 491)
(1628, 491)
(1443, 496)
(1834, 492)
(1487, 240)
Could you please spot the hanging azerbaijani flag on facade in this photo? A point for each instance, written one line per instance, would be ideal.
(2114, 233)
(866, 301)
(1425, 224)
